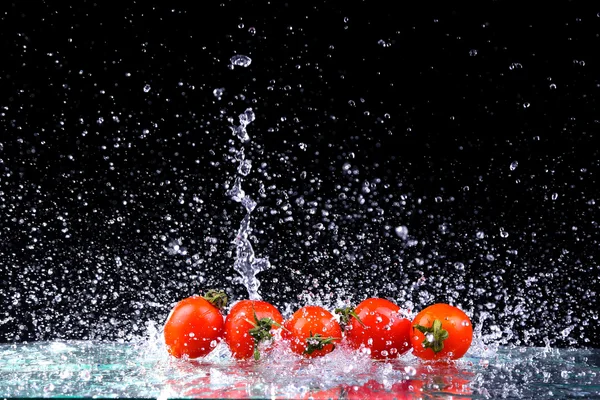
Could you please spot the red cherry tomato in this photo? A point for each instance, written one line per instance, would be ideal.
(441, 331)
(249, 323)
(312, 331)
(195, 325)
(376, 324)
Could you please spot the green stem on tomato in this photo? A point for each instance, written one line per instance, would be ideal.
(345, 314)
(436, 333)
(261, 331)
(217, 298)
(318, 342)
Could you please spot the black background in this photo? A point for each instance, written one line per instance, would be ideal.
(367, 118)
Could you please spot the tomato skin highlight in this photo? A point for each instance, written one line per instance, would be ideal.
(238, 324)
(383, 330)
(309, 320)
(193, 325)
(454, 321)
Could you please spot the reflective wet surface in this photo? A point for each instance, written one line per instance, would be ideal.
(144, 370)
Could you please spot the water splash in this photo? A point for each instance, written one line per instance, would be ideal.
(246, 263)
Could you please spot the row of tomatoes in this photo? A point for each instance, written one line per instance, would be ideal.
(196, 325)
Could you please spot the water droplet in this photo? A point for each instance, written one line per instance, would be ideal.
(401, 231)
(554, 196)
(240, 60)
(514, 165)
(218, 92)
(514, 66)
(85, 375)
(65, 374)
(567, 331)
(236, 192)
(147, 88)
(244, 167)
(247, 117)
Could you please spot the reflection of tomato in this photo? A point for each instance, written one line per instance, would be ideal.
(442, 378)
(441, 331)
(373, 389)
(195, 325)
(249, 323)
(312, 331)
(324, 394)
(376, 324)
(438, 386)
(238, 390)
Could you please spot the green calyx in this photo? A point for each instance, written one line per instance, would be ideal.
(217, 298)
(318, 342)
(261, 332)
(434, 336)
(345, 314)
